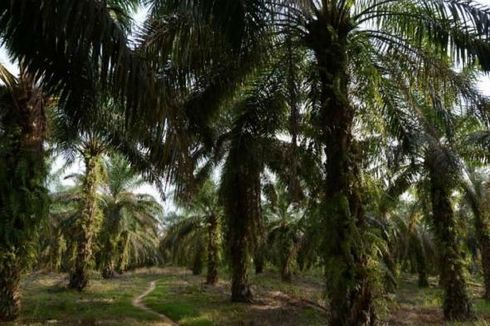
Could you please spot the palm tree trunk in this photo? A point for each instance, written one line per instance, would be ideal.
(212, 274)
(197, 263)
(55, 252)
(122, 253)
(259, 261)
(23, 197)
(9, 286)
(87, 220)
(286, 271)
(240, 287)
(348, 286)
(483, 234)
(259, 252)
(457, 305)
(485, 260)
(109, 259)
(423, 280)
(243, 213)
(110, 237)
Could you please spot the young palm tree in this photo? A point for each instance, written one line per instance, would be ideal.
(184, 240)
(23, 197)
(126, 216)
(198, 228)
(285, 234)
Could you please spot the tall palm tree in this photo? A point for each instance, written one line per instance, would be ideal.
(91, 151)
(350, 43)
(251, 144)
(347, 37)
(427, 133)
(456, 301)
(127, 216)
(87, 141)
(210, 87)
(23, 196)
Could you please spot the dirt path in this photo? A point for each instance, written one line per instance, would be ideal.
(138, 303)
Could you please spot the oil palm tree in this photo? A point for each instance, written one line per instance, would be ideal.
(477, 197)
(251, 144)
(209, 88)
(474, 150)
(285, 229)
(90, 150)
(426, 130)
(347, 37)
(87, 141)
(199, 227)
(76, 47)
(184, 240)
(23, 196)
(349, 42)
(413, 243)
(127, 217)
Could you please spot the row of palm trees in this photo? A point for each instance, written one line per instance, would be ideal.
(124, 232)
(300, 88)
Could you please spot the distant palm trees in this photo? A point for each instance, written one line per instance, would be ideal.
(197, 232)
(124, 231)
(129, 234)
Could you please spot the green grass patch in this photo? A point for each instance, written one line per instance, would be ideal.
(178, 295)
(187, 300)
(46, 298)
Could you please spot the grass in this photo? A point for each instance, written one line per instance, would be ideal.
(45, 298)
(186, 299)
(422, 306)
(179, 295)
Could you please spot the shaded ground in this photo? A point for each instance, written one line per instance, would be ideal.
(178, 295)
(415, 306)
(184, 298)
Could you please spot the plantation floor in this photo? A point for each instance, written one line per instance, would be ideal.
(149, 296)
(130, 300)
(412, 305)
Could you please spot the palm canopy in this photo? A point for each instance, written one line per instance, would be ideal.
(75, 47)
